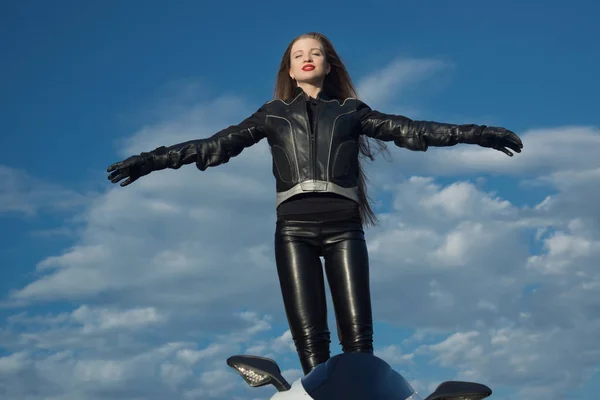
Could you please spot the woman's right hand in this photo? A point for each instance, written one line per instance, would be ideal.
(131, 169)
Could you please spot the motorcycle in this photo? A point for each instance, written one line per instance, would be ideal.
(348, 376)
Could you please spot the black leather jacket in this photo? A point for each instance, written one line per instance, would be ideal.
(318, 158)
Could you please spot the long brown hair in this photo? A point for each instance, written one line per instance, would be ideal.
(337, 84)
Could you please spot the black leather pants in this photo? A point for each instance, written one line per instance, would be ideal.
(298, 246)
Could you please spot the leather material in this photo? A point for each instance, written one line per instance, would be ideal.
(325, 151)
(298, 246)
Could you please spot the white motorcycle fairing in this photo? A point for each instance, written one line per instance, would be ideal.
(296, 392)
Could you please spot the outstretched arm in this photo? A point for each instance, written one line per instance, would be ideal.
(220, 147)
(208, 152)
(419, 135)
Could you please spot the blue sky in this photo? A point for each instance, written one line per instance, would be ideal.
(87, 83)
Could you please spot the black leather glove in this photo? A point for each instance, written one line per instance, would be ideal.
(499, 139)
(137, 166)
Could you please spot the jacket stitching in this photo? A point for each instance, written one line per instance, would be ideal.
(287, 104)
(252, 134)
(342, 103)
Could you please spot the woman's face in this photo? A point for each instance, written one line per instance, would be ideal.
(307, 63)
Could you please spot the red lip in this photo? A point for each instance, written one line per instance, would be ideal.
(308, 67)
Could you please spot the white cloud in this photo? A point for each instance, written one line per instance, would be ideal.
(284, 342)
(564, 253)
(24, 194)
(110, 319)
(80, 368)
(379, 88)
(13, 363)
(518, 356)
(394, 355)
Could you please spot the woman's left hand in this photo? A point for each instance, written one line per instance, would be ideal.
(501, 139)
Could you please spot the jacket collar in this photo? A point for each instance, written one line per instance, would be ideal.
(321, 96)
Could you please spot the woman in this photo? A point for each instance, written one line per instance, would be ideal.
(316, 128)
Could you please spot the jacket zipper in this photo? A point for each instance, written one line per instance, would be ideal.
(314, 140)
(311, 129)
